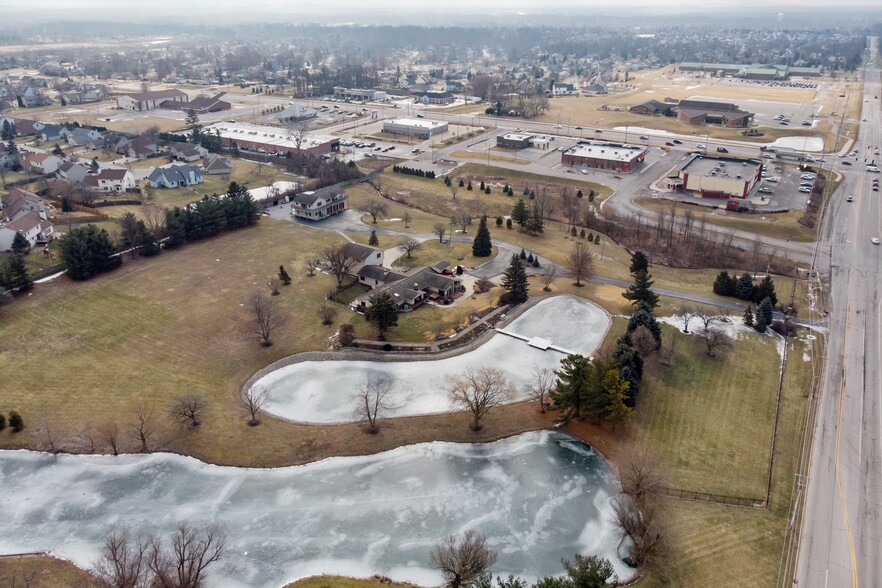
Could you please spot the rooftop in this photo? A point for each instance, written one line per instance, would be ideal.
(418, 122)
(724, 167)
(265, 134)
(602, 150)
(517, 136)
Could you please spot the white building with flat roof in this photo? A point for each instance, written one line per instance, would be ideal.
(415, 127)
(604, 155)
(269, 139)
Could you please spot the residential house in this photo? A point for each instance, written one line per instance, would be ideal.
(141, 147)
(30, 226)
(187, 151)
(558, 89)
(81, 137)
(40, 163)
(111, 180)
(24, 126)
(72, 172)
(411, 289)
(375, 276)
(149, 100)
(5, 159)
(54, 133)
(19, 202)
(30, 97)
(318, 205)
(175, 176)
(363, 255)
(216, 165)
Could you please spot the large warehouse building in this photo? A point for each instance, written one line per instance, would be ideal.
(415, 127)
(602, 155)
(720, 177)
(267, 139)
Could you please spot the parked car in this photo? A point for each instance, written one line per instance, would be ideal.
(805, 190)
(773, 179)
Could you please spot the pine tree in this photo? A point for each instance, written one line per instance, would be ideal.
(523, 255)
(482, 246)
(499, 221)
(597, 239)
(573, 379)
(640, 292)
(643, 317)
(582, 234)
(573, 231)
(724, 285)
(7, 131)
(760, 325)
(373, 241)
(515, 282)
(383, 313)
(283, 276)
(508, 223)
(765, 289)
(469, 186)
(639, 262)
(519, 213)
(15, 274)
(2, 421)
(20, 244)
(744, 287)
(766, 309)
(616, 389)
(535, 224)
(15, 421)
(536, 261)
(578, 193)
(482, 185)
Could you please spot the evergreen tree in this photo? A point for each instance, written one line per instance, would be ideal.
(174, 228)
(373, 241)
(578, 193)
(15, 421)
(536, 261)
(573, 231)
(760, 325)
(146, 240)
(640, 292)
(748, 317)
(744, 287)
(508, 223)
(765, 289)
(535, 225)
(519, 213)
(7, 131)
(523, 255)
(724, 285)
(616, 390)
(88, 251)
(237, 210)
(597, 239)
(382, 313)
(482, 246)
(482, 185)
(515, 282)
(14, 273)
(639, 262)
(582, 234)
(283, 276)
(469, 186)
(643, 317)
(94, 167)
(461, 182)
(2, 421)
(20, 244)
(766, 309)
(487, 190)
(499, 221)
(573, 379)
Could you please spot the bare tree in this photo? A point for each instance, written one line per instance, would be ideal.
(123, 562)
(51, 440)
(462, 562)
(110, 434)
(541, 386)
(327, 314)
(409, 246)
(707, 317)
(643, 341)
(275, 285)
(144, 423)
(188, 410)
(192, 551)
(688, 313)
(714, 339)
(253, 399)
(375, 208)
(641, 476)
(479, 390)
(440, 229)
(461, 220)
(454, 188)
(340, 262)
(372, 401)
(154, 218)
(549, 272)
(580, 262)
(640, 523)
(311, 265)
(265, 317)
(406, 217)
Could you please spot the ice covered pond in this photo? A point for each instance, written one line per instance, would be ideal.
(538, 497)
(320, 391)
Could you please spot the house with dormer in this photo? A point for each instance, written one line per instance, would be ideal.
(176, 176)
(318, 205)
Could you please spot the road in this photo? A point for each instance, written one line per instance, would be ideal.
(841, 529)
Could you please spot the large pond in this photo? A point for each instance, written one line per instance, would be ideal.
(322, 391)
(538, 497)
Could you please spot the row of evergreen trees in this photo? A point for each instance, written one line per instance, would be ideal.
(209, 216)
(743, 287)
(411, 171)
(605, 388)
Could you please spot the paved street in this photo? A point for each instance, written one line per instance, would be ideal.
(842, 529)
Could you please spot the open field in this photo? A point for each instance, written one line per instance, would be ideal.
(43, 571)
(779, 225)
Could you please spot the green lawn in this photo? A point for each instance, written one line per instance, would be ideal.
(245, 172)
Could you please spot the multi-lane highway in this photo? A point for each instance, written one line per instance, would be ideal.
(841, 531)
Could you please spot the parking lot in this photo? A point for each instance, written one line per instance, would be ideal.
(780, 188)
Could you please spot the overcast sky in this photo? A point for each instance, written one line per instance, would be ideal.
(378, 11)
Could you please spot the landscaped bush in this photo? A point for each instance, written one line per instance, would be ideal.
(400, 169)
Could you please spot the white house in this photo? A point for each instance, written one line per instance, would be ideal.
(31, 227)
(318, 205)
(111, 180)
(40, 163)
(564, 90)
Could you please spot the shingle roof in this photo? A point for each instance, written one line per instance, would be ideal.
(112, 174)
(24, 223)
(359, 252)
(156, 95)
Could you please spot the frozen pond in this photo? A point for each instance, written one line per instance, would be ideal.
(538, 497)
(322, 391)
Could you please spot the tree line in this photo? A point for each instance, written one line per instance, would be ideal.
(411, 171)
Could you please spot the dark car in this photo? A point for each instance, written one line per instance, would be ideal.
(677, 142)
(644, 138)
(669, 144)
(846, 163)
(722, 150)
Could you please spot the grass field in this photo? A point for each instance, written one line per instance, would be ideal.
(345, 582)
(43, 571)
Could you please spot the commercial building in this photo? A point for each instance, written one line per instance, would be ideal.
(359, 94)
(720, 177)
(433, 97)
(267, 139)
(603, 155)
(200, 105)
(149, 100)
(699, 112)
(754, 71)
(415, 127)
(514, 141)
(654, 108)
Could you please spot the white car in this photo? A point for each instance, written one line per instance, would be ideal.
(805, 190)
(807, 176)
(875, 240)
(773, 179)
(701, 146)
(850, 198)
